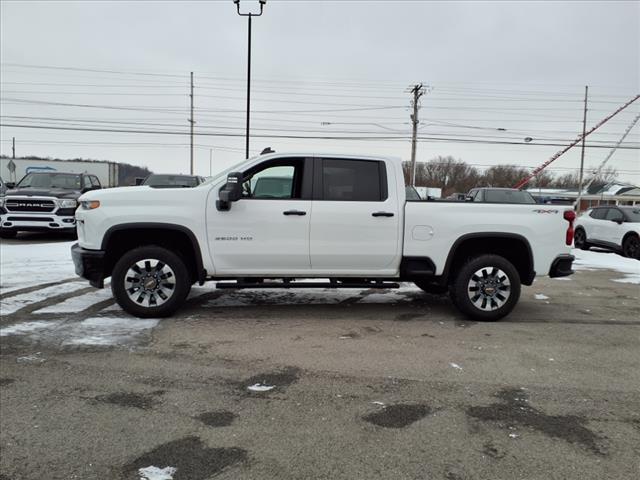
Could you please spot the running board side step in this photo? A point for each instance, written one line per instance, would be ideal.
(240, 285)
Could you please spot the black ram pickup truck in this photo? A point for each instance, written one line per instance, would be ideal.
(43, 202)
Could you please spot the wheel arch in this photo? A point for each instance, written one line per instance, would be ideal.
(121, 238)
(512, 246)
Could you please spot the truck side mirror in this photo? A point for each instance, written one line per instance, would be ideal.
(139, 181)
(10, 185)
(231, 192)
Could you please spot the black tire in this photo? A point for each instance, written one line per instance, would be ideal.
(631, 247)
(153, 278)
(497, 278)
(8, 233)
(580, 239)
(431, 288)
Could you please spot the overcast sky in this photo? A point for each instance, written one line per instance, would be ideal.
(320, 69)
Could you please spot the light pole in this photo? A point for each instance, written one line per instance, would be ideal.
(237, 2)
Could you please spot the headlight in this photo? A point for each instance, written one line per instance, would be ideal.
(89, 204)
(67, 203)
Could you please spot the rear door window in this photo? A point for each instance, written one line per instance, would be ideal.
(614, 214)
(599, 213)
(353, 180)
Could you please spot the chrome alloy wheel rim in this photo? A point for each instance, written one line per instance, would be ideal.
(489, 288)
(150, 282)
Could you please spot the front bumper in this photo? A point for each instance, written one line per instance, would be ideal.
(42, 222)
(561, 266)
(89, 264)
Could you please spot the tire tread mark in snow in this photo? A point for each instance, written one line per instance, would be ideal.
(34, 288)
(32, 307)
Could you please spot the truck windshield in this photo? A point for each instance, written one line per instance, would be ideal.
(171, 181)
(66, 181)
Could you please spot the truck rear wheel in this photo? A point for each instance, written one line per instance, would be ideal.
(486, 288)
(150, 281)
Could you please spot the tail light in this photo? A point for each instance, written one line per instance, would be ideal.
(569, 216)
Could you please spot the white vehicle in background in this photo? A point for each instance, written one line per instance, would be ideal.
(613, 227)
(275, 219)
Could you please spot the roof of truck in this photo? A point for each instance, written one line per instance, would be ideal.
(328, 155)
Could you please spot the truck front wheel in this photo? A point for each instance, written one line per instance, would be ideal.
(150, 281)
(486, 288)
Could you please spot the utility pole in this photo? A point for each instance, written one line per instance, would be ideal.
(584, 131)
(191, 121)
(417, 91)
(210, 159)
(13, 147)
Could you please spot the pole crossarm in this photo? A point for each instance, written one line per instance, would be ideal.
(250, 14)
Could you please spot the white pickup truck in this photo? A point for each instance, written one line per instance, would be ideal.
(343, 220)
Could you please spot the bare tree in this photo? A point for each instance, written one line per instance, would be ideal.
(503, 175)
(447, 173)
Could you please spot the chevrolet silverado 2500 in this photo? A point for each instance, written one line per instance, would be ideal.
(341, 218)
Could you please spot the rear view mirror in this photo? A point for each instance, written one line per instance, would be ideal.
(231, 192)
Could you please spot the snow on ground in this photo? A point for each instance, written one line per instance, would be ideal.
(156, 473)
(28, 264)
(541, 296)
(13, 304)
(97, 331)
(79, 303)
(592, 260)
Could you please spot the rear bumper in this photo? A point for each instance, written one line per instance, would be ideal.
(561, 266)
(89, 264)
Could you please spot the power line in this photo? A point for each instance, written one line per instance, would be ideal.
(303, 137)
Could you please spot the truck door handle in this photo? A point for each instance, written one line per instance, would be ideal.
(294, 212)
(382, 214)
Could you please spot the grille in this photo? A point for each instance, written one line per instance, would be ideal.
(30, 219)
(29, 205)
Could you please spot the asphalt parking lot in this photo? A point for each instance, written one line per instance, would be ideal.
(366, 384)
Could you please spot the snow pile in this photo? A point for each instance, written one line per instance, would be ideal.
(590, 260)
(28, 264)
(541, 296)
